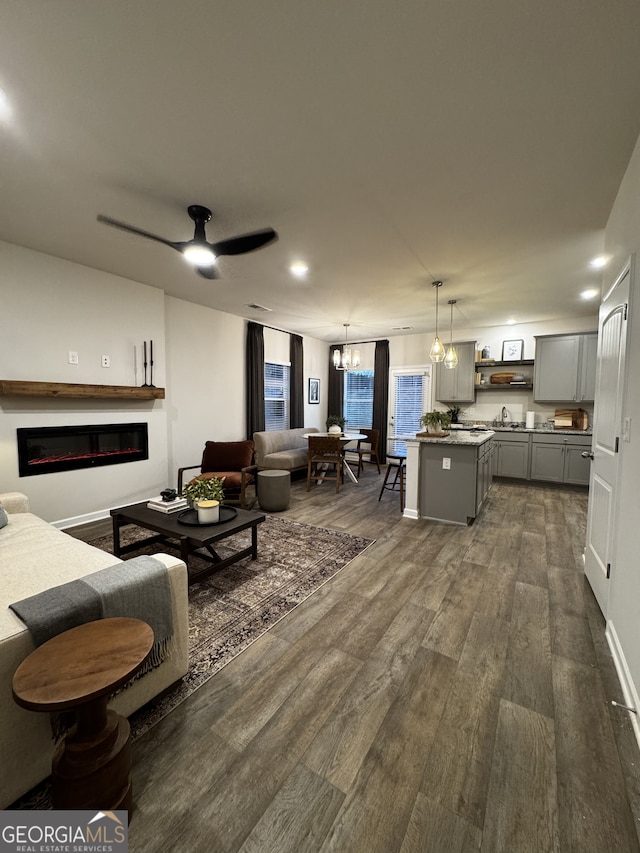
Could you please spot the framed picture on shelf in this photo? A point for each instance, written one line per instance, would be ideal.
(512, 350)
(314, 390)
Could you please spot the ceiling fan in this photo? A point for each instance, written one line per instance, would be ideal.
(199, 251)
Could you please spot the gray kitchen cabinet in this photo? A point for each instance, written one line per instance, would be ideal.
(558, 459)
(484, 475)
(511, 455)
(588, 363)
(458, 385)
(565, 368)
(547, 462)
(451, 479)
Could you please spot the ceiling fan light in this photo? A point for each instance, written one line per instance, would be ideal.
(199, 256)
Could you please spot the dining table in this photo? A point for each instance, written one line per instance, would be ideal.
(345, 438)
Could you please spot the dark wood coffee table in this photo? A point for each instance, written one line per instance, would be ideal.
(190, 539)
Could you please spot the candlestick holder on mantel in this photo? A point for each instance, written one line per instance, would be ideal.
(149, 364)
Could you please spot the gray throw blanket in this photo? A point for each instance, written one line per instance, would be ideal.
(138, 588)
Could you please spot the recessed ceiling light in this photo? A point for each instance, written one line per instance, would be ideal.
(599, 262)
(590, 293)
(299, 269)
(5, 106)
(511, 322)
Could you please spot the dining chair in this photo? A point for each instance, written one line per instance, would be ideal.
(367, 449)
(325, 451)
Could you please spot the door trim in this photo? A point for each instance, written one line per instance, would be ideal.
(601, 587)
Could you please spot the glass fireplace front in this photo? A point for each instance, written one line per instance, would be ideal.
(46, 450)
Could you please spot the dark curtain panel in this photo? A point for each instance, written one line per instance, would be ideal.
(381, 395)
(335, 395)
(296, 382)
(255, 378)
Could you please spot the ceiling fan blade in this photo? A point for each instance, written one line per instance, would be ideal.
(133, 230)
(207, 272)
(244, 242)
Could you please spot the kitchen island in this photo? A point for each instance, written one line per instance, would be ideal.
(448, 477)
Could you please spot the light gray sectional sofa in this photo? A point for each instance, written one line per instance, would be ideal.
(35, 556)
(283, 449)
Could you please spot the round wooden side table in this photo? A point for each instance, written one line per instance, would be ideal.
(79, 669)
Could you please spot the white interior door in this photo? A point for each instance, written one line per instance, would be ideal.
(607, 428)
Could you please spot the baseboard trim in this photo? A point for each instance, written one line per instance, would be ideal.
(63, 523)
(410, 513)
(624, 676)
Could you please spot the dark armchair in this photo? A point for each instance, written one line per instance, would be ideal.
(232, 460)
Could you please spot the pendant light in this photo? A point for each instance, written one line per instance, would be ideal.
(436, 353)
(451, 358)
(347, 359)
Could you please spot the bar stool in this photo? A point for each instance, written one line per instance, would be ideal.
(395, 462)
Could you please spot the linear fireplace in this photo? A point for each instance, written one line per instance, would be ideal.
(46, 450)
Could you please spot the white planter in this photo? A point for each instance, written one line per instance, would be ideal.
(335, 430)
(208, 511)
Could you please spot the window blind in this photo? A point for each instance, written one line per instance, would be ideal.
(276, 395)
(408, 408)
(358, 399)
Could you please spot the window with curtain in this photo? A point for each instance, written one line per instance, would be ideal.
(276, 395)
(358, 399)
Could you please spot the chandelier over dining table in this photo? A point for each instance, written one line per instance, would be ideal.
(346, 358)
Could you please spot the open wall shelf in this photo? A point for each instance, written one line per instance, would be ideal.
(17, 388)
(486, 368)
(505, 386)
(487, 364)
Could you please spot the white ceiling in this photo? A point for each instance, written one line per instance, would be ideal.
(389, 142)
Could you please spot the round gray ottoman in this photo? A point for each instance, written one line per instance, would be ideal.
(274, 490)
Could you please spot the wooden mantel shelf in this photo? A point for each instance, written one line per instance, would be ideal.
(17, 388)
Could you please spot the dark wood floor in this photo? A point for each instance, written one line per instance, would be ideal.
(448, 691)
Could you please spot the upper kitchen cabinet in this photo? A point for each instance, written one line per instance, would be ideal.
(565, 368)
(458, 385)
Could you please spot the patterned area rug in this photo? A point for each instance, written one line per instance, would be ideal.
(231, 608)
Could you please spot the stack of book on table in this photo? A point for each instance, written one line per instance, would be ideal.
(167, 506)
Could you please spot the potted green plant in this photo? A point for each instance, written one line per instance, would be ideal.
(204, 489)
(335, 423)
(435, 422)
(454, 413)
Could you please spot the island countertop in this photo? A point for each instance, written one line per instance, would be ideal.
(472, 438)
